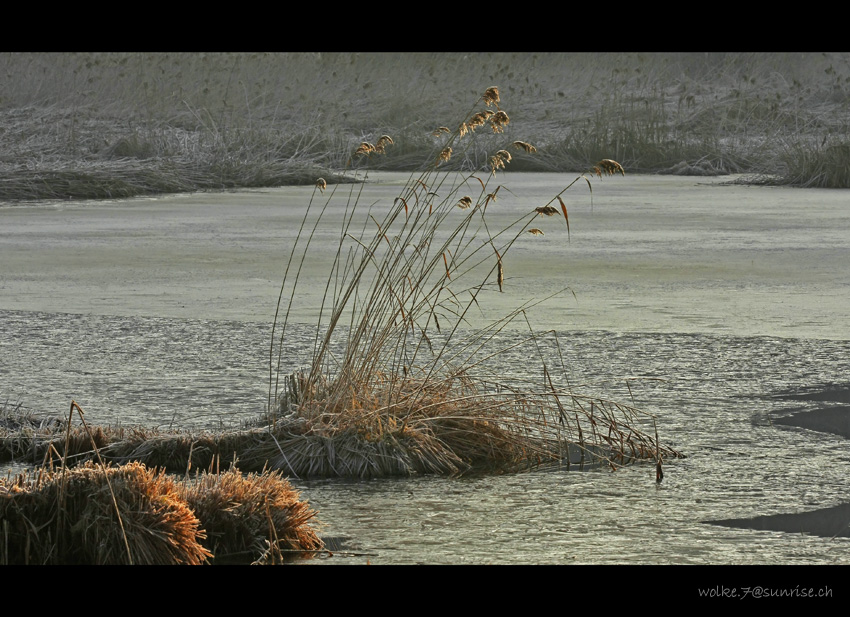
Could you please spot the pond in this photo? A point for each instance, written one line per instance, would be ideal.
(707, 304)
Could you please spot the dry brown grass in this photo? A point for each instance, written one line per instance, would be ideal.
(253, 518)
(98, 516)
(134, 515)
(97, 513)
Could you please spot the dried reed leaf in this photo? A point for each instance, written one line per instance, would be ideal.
(403, 201)
(566, 217)
(500, 271)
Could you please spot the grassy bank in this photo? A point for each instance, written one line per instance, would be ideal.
(115, 125)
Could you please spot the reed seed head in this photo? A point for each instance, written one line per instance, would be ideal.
(521, 145)
(491, 95)
(365, 149)
(383, 142)
(479, 119)
(608, 167)
(440, 130)
(546, 210)
(498, 121)
(498, 160)
(446, 154)
(321, 184)
(465, 202)
(535, 231)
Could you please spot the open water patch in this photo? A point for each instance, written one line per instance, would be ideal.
(826, 409)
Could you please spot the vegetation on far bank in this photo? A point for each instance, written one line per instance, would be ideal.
(100, 125)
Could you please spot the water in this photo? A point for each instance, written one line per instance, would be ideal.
(712, 300)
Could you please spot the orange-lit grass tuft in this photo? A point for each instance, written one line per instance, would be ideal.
(251, 518)
(71, 517)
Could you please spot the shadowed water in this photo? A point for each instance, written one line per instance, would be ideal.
(717, 303)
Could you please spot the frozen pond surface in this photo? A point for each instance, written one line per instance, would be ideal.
(721, 299)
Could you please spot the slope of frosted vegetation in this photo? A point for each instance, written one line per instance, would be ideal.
(95, 125)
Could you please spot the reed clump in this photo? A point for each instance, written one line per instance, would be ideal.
(97, 515)
(251, 518)
(135, 515)
(396, 383)
(455, 429)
